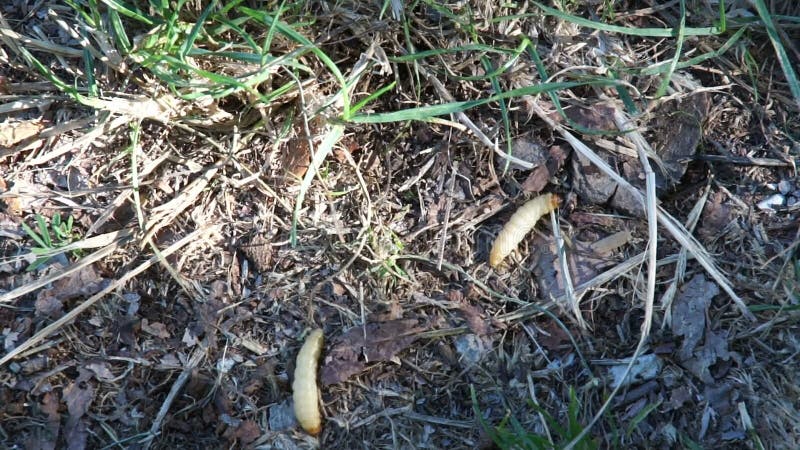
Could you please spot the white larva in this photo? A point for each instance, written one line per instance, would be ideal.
(304, 387)
(519, 225)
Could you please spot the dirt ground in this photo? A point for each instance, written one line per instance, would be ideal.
(164, 254)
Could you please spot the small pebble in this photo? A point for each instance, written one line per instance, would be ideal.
(769, 202)
(785, 186)
(791, 201)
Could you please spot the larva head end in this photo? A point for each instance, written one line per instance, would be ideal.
(555, 201)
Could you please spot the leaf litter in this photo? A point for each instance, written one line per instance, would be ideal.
(351, 352)
(245, 311)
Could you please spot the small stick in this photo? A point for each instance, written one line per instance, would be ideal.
(193, 362)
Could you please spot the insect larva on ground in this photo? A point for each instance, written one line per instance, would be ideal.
(304, 387)
(519, 225)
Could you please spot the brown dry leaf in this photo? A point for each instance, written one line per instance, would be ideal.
(351, 352)
(13, 204)
(476, 319)
(591, 184)
(552, 337)
(156, 329)
(247, 432)
(689, 313)
(678, 125)
(11, 133)
(259, 252)
(598, 118)
(101, 371)
(584, 262)
(47, 439)
(82, 283)
(536, 180)
(78, 396)
(717, 214)
(540, 176)
(48, 306)
(526, 148)
(296, 158)
(714, 349)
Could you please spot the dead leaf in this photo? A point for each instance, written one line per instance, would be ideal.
(536, 180)
(259, 252)
(246, 432)
(678, 125)
(13, 204)
(76, 434)
(156, 329)
(584, 264)
(713, 350)
(101, 371)
(47, 439)
(591, 184)
(47, 305)
(526, 148)
(82, 283)
(351, 352)
(689, 313)
(598, 117)
(78, 395)
(717, 215)
(476, 319)
(12, 133)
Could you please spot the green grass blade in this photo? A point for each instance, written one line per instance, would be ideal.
(641, 416)
(503, 111)
(665, 66)
(372, 97)
(33, 235)
(119, 33)
(662, 88)
(195, 31)
(292, 34)
(426, 112)
(44, 232)
(644, 32)
(783, 58)
(131, 11)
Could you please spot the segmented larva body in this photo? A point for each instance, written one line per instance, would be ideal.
(519, 225)
(304, 387)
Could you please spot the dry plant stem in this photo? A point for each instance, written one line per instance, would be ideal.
(46, 331)
(469, 123)
(680, 267)
(569, 289)
(362, 235)
(667, 221)
(163, 215)
(652, 233)
(194, 361)
(448, 208)
(119, 238)
(535, 401)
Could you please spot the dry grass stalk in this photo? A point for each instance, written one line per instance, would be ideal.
(88, 303)
(673, 227)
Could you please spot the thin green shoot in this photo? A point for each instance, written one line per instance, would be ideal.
(423, 113)
(643, 32)
(49, 238)
(662, 88)
(503, 112)
(783, 57)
